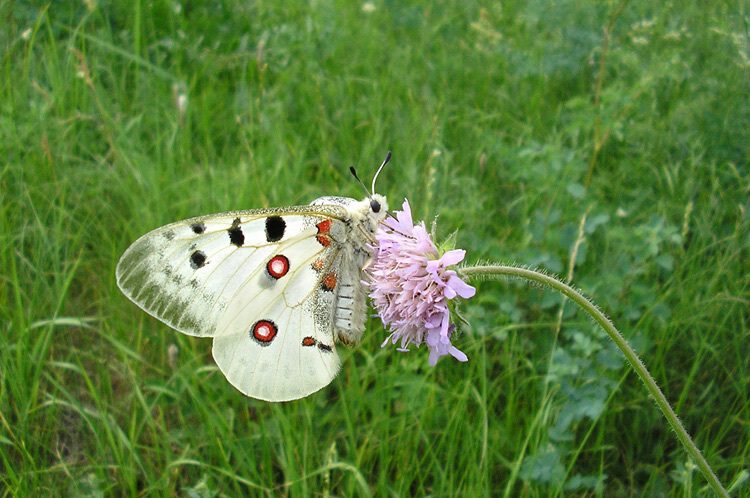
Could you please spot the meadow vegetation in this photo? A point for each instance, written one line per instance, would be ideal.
(606, 142)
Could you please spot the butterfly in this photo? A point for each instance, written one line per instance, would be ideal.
(275, 288)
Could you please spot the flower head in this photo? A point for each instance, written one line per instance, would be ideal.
(410, 285)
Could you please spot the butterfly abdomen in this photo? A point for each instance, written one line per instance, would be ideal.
(351, 300)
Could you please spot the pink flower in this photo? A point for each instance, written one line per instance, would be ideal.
(410, 285)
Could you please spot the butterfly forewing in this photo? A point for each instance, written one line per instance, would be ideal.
(186, 273)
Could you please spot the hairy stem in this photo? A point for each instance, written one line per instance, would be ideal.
(619, 340)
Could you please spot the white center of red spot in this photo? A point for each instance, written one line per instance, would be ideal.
(264, 332)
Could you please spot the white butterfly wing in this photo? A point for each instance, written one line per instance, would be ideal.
(186, 273)
(262, 282)
(279, 349)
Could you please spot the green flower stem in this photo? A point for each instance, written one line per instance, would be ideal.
(614, 334)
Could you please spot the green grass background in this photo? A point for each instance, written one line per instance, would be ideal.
(610, 138)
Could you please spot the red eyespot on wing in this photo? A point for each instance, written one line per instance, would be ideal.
(264, 331)
(278, 266)
(329, 282)
(323, 228)
(309, 341)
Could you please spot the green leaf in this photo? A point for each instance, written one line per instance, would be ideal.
(581, 482)
(545, 467)
(577, 190)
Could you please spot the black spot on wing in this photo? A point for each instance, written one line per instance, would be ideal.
(325, 347)
(198, 228)
(197, 260)
(236, 236)
(275, 227)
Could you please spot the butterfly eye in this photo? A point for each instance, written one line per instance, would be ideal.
(375, 206)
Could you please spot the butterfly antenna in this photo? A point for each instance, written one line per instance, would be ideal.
(354, 174)
(374, 178)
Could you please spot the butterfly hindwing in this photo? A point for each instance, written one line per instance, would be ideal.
(283, 349)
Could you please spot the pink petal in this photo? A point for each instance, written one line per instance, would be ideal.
(432, 266)
(434, 356)
(404, 217)
(449, 292)
(458, 354)
(453, 257)
(460, 287)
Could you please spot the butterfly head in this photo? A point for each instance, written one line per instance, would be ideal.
(378, 206)
(374, 210)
